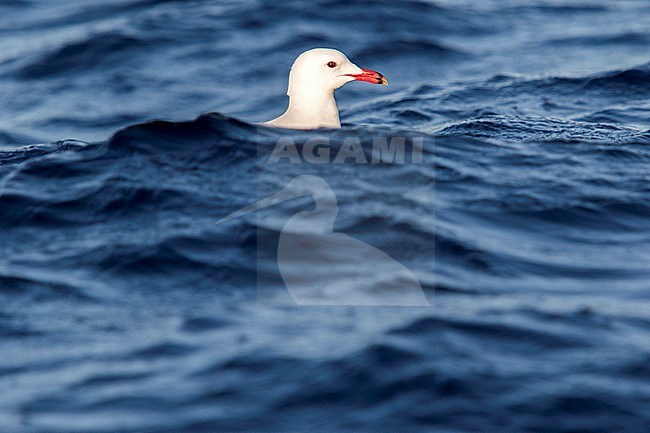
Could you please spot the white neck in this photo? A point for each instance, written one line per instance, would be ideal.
(309, 108)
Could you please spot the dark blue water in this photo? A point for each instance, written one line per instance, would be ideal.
(125, 308)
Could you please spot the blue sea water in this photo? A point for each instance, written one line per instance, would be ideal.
(125, 308)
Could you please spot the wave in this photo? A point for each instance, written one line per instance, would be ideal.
(540, 129)
(80, 56)
(629, 37)
(407, 48)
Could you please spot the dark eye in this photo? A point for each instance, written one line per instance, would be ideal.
(332, 64)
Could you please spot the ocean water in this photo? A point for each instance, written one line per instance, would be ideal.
(124, 307)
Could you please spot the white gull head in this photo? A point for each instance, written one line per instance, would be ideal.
(314, 77)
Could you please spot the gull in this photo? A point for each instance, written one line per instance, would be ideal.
(314, 77)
